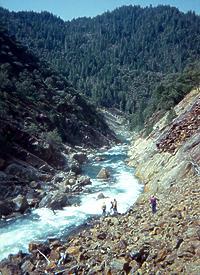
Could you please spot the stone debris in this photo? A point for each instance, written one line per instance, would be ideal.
(181, 129)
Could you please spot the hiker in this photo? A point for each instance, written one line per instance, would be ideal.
(111, 207)
(153, 202)
(103, 209)
(115, 206)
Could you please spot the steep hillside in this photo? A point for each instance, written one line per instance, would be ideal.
(140, 242)
(126, 58)
(42, 120)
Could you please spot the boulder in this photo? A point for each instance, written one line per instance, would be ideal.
(186, 250)
(27, 267)
(80, 157)
(20, 204)
(72, 181)
(55, 200)
(54, 255)
(74, 250)
(103, 174)
(83, 180)
(100, 196)
(117, 266)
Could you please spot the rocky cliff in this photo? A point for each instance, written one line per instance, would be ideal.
(139, 242)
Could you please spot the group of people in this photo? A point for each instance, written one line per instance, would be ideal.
(113, 208)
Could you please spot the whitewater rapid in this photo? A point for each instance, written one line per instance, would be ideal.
(43, 223)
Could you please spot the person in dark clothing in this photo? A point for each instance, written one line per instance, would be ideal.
(111, 207)
(153, 201)
(104, 209)
(115, 206)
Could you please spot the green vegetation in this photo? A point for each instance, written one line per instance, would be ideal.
(38, 104)
(135, 59)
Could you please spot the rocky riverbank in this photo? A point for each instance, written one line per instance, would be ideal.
(139, 242)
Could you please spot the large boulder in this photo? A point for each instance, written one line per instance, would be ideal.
(20, 204)
(55, 200)
(103, 174)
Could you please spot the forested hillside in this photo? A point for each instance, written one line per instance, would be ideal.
(39, 108)
(136, 59)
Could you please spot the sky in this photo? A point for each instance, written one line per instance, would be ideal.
(69, 9)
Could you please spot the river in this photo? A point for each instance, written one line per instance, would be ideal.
(43, 223)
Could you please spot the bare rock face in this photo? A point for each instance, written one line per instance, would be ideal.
(167, 156)
(103, 174)
(182, 128)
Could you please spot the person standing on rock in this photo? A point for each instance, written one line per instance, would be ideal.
(153, 202)
(112, 207)
(104, 209)
(115, 206)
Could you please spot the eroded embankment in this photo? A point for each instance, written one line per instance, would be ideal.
(139, 242)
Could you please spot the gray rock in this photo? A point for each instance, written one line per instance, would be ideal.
(103, 174)
(100, 196)
(27, 267)
(186, 250)
(117, 265)
(20, 204)
(83, 180)
(55, 200)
